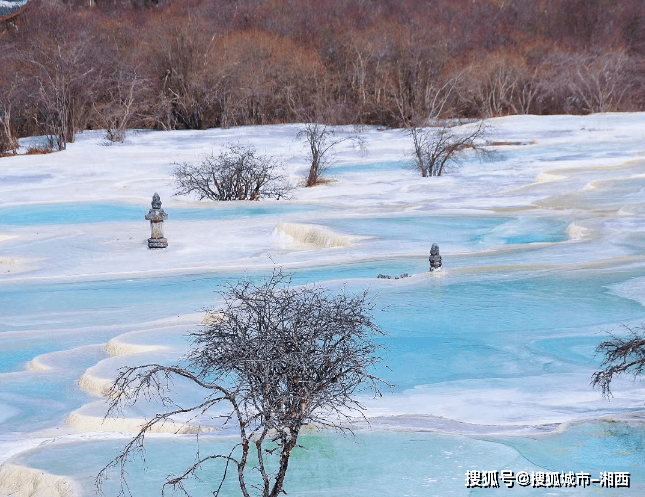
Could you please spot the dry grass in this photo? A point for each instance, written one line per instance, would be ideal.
(39, 150)
(321, 181)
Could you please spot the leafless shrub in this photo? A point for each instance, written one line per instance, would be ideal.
(239, 173)
(435, 148)
(589, 82)
(620, 356)
(415, 85)
(123, 92)
(499, 84)
(63, 80)
(8, 142)
(183, 61)
(11, 96)
(321, 139)
(281, 357)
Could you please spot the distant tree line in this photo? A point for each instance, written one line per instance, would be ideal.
(189, 64)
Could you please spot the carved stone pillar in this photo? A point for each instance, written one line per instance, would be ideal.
(156, 216)
(435, 258)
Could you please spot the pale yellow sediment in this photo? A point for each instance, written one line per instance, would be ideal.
(577, 232)
(212, 317)
(85, 423)
(314, 235)
(96, 386)
(20, 481)
(592, 185)
(116, 347)
(548, 177)
(36, 364)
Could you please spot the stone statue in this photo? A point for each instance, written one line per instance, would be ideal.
(435, 258)
(156, 201)
(156, 216)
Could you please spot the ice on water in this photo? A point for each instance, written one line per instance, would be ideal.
(491, 357)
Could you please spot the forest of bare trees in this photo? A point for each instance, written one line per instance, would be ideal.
(177, 64)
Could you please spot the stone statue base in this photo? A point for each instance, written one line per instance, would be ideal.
(157, 243)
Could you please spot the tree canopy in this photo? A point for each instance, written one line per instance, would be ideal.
(281, 356)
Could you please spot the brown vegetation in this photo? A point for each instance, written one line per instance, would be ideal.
(39, 150)
(198, 64)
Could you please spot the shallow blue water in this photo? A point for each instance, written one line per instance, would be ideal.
(92, 212)
(417, 464)
(439, 328)
(473, 232)
(372, 167)
(19, 349)
(45, 398)
(380, 464)
(31, 305)
(594, 446)
(493, 324)
(566, 151)
(442, 331)
(590, 447)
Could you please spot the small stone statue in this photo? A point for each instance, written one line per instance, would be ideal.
(435, 258)
(156, 216)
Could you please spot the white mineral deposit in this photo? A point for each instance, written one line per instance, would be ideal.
(542, 254)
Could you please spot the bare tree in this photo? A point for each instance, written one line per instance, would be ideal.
(600, 81)
(620, 356)
(435, 148)
(281, 357)
(499, 84)
(239, 173)
(64, 81)
(8, 141)
(590, 82)
(321, 139)
(123, 93)
(183, 58)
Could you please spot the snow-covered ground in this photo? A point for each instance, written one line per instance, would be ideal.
(543, 254)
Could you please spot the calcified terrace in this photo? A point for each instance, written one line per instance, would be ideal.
(491, 357)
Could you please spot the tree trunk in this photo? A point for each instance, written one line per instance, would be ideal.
(312, 179)
(284, 463)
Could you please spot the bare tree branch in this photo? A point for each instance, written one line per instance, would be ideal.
(621, 355)
(288, 356)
